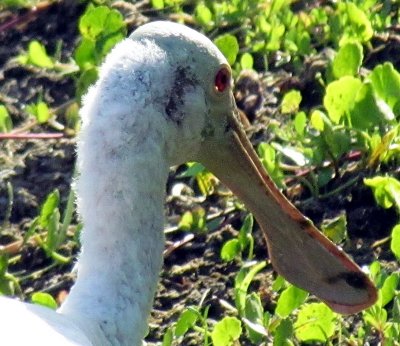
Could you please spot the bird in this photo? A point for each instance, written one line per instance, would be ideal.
(164, 97)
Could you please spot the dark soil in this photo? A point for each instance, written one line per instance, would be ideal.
(193, 271)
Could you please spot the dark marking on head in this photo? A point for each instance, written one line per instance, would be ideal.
(354, 279)
(184, 80)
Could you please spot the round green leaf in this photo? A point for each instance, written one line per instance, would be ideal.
(230, 250)
(203, 14)
(291, 102)
(226, 331)
(246, 61)
(291, 298)
(395, 242)
(315, 322)
(348, 60)
(229, 46)
(386, 83)
(340, 96)
(44, 299)
(38, 56)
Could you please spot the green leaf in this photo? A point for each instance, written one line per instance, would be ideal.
(366, 112)
(192, 170)
(5, 120)
(186, 222)
(386, 191)
(359, 26)
(193, 220)
(230, 250)
(279, 283)
(275, 36)
(386, 84)
(376, 316)
(318, 119)
(40, 111)
(157, 4)
(242, 282)
(53, 227)
(44, 299)
(203, 14)
(206, 182)
(3, 264)
(253, 318)
(186, 321)
(395, 241)
(348, 60)
(291, 102)
(335, 229)
(86, 79)
(37, 56)
(284, 333)
(246, 61)
(229, 46)
(102, 26)
(168, 337)
(267, 155)
(388, 290)
(340, 96)
(245, 231)
(315, 322)
(43, 113)
(48, 208)
(85, 54)
(289, 300)
(300, 122)
(226, 331)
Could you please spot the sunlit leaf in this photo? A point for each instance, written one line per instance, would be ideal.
(202, 14)
(37, 56)
(348, 60)
(246, 61)
(284, 333)
(40, 111)
(5, 120)
(386, 190)
(229, 46)
(388, 290)
(226, 331)
(44, 299)
(186, 320)
(157, 4)
(317, 120)
(386, 84)
(291, 102)
(335, 229)
(230, 250)
(395, 241)
(315, 322)
(168, 337)
(340, 97)
(48, 208)
(366, 112)
(290, 299)
(253, 318)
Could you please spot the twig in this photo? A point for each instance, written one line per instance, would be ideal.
(27, 17)
(25, 136)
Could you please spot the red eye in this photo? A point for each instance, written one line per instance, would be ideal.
(222, 79)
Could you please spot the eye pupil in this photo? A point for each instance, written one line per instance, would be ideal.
(222, 79)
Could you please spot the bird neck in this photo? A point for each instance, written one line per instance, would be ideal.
(122, 242)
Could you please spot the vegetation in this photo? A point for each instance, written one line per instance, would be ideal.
(336, 127)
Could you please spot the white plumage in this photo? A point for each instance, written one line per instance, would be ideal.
(164, 97)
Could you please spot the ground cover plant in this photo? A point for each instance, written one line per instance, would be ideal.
(319, 86)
